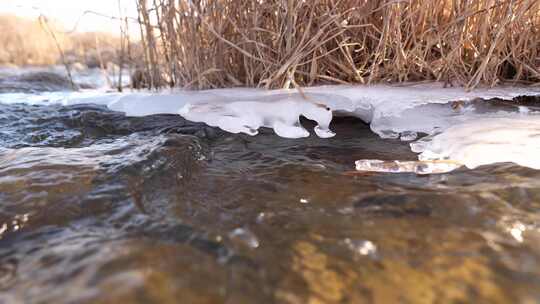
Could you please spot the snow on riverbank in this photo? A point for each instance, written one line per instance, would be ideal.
(461, 127)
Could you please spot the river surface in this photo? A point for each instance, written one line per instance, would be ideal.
(97, 207)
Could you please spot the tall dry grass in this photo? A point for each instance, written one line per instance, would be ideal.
(283, 43)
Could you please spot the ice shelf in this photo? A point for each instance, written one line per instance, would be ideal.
(452, 124)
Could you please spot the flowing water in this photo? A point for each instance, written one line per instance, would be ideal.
(96, 207)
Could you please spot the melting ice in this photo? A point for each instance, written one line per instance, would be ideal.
(483, 141)
(457, 126)
(282, 115)
(396, 166)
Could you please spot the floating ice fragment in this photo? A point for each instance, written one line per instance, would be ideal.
(396, 166)
(245, 236)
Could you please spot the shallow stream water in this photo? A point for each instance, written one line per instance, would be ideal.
(96, 207)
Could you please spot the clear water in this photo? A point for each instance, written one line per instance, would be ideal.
(96, 207)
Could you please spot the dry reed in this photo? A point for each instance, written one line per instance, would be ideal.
(284, 43)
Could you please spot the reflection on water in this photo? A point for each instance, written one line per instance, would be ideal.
(100, 208)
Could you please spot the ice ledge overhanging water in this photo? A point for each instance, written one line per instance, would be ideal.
(459, 126)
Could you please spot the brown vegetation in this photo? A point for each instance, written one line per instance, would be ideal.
(283, 43)
(31, 42)
(24, 42)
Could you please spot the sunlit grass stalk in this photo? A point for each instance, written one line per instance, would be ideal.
(45, 24)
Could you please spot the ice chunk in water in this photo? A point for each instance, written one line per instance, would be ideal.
(396, 166)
